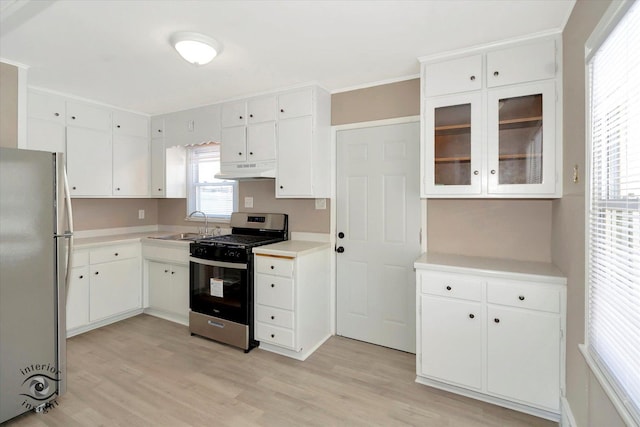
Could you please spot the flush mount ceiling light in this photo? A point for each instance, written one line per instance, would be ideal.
(195, 48)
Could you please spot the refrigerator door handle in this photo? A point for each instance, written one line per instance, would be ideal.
(69, 233)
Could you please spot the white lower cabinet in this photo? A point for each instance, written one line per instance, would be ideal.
(169, 288)
(166, 279)
(452, 337)
(78, 297)
(492, 330)
(114, 288)
(292, 297)
(105, 286)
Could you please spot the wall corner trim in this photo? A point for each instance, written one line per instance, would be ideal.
(567, 419)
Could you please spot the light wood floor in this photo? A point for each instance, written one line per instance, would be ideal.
(146, 371)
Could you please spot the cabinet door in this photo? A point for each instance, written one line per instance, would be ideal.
(456, 75)
(523, 360)
(176, 129)
(78, 297)
(176, 172)
(157, 127)
(295, 104)
(114, 288)
(522, 64)
(157, 167)
(452, 151)
(261, 142)
(234, 145)
(180, 290)
(261, 109)
(521, 139)
(88, 116)
(295, 168)
(206, 124)
(130, 166)
(89, 162)
(46, 107)
(46, 135)
(451, 349)
(234, 114)
(125, 123)
(160, 292)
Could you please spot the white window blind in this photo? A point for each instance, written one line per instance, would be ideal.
(613, 331)
(215, 197)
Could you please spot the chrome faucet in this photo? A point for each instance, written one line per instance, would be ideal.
(206, 222)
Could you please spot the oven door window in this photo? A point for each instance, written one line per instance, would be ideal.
(219, 291)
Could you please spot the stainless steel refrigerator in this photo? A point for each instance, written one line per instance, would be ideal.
(35, 243)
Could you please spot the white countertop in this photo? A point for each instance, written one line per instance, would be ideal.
(88, 242)
(291, 248)
(494, 267)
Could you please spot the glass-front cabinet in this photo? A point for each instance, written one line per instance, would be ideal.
(453, 157)
(509, 151)
(521, 139)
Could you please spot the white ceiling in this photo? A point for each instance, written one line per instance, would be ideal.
(117, 52)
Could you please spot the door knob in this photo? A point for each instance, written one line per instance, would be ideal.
(341, 235)
(340, 249)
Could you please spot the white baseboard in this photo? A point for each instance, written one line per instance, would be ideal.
(104, 322)
(567, 419)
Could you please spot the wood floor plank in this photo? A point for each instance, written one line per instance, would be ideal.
(146, 371)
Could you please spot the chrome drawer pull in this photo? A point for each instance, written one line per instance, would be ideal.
(216, 324)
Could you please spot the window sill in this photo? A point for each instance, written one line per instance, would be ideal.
(623, 407)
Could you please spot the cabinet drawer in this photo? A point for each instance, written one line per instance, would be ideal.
(274, 291)
(80, 258)
(274, 335)
(517, 295)
(451, 285)
(274, 265)
(274, 316)
(113, 253)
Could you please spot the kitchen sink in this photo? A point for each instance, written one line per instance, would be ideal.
(180, 236)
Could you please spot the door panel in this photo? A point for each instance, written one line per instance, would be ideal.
(378, 210)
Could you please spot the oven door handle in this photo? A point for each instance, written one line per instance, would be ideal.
(237, 266)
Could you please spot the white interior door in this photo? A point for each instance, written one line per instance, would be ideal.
(378, 212)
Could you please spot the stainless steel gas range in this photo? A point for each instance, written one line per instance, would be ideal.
(221, 278)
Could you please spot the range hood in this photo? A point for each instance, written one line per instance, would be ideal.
(247, 170)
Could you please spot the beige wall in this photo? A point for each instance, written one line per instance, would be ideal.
(91, 214)
(303, 216)
(588, 402)
(515, 229)
(8, 105)
(400, 99)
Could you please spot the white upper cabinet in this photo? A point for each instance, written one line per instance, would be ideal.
(130, 124)
(453, 76)
(89, 162)
(46, 127)
(493, 130)
(249, 132)
(261, 110)
(85, 115)
(295, 104)
(130, 166)
(192, 126)
(234, 114)
(521, 64)
(304, 120)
